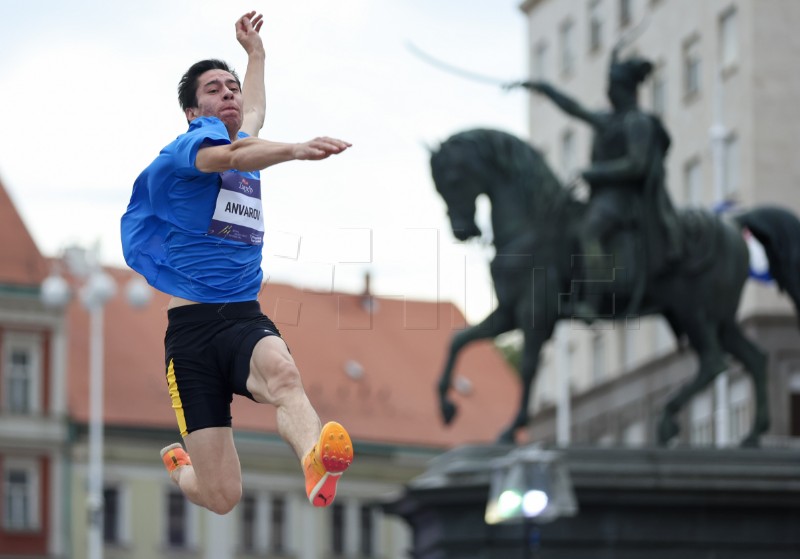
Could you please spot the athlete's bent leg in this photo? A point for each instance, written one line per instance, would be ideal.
(274, 379)
(325, 453)
(214, 478)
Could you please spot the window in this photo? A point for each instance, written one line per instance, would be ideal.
(625, 12)
(353, 530)
(18, 499)
(249, 523)
(693, 183)
(730, 167)
(540, 61)
(112, 516)
(180, 518)
(691, 67)
(262, 524)
(278, 525)
(19, 381)
(367, 544)
(20, 495)
(176, 520)
(337, 529)
(567, 39)
(116, 522)
(21, 368)
(568, 164)
(728, 40)
(658, 91)
(595, 26)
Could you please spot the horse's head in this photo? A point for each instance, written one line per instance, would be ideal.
(459, 198)
(501, 165)
(459, 176)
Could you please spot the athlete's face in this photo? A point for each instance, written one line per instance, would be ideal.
(219, 95)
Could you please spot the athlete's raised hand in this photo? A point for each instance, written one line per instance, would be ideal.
(247, 31)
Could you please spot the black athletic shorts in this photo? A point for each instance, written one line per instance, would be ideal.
(208, 349)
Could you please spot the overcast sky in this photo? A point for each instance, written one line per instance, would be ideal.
(90, 98)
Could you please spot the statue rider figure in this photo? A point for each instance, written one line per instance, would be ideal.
(626, 175)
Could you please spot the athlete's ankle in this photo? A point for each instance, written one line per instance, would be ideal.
(175, 475)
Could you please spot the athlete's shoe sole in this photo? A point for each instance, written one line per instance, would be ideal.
(173, 457)
(326, 462)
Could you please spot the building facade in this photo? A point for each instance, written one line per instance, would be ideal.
(33, 423)
(723, 86)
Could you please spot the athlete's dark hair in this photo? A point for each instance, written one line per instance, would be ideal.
(187, 88)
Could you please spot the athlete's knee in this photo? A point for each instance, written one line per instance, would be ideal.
(222, 498)
(285, 380)
(275, 381)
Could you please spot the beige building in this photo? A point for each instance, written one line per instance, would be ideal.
(726, 88)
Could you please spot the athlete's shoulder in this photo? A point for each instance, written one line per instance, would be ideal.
(209, 127)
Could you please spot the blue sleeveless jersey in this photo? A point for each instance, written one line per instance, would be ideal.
(192, 234)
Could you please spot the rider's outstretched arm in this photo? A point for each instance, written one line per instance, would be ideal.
(562, 101)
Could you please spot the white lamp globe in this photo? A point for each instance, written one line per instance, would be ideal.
(55, 291)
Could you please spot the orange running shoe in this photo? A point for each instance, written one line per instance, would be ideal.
(174, 457)
(325, 463)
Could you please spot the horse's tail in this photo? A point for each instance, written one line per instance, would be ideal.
(778, 230)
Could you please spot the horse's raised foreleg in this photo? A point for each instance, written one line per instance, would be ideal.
(755, 362)
(498, 322)
(703, 338)
(534, 339)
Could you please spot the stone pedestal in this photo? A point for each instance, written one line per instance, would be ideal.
(633, 504)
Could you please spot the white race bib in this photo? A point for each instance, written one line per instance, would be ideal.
(237, 214)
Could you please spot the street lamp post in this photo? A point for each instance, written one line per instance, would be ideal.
(98, 288)
(96, 292)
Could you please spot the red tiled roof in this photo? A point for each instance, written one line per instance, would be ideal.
(23, 264)
(400, 347)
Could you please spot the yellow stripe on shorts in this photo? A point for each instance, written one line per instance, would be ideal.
(175, 396)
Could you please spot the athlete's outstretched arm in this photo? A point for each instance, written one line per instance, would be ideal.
(254, 98)
(254, 154)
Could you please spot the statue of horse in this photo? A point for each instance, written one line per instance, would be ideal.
(535, 233)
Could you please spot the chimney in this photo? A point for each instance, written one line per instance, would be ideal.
(367, 301)
(367, 292)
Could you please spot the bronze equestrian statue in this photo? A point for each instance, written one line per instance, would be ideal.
(689, 266)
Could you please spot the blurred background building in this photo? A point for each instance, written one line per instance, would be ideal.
(725, 87)
(368, 362)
